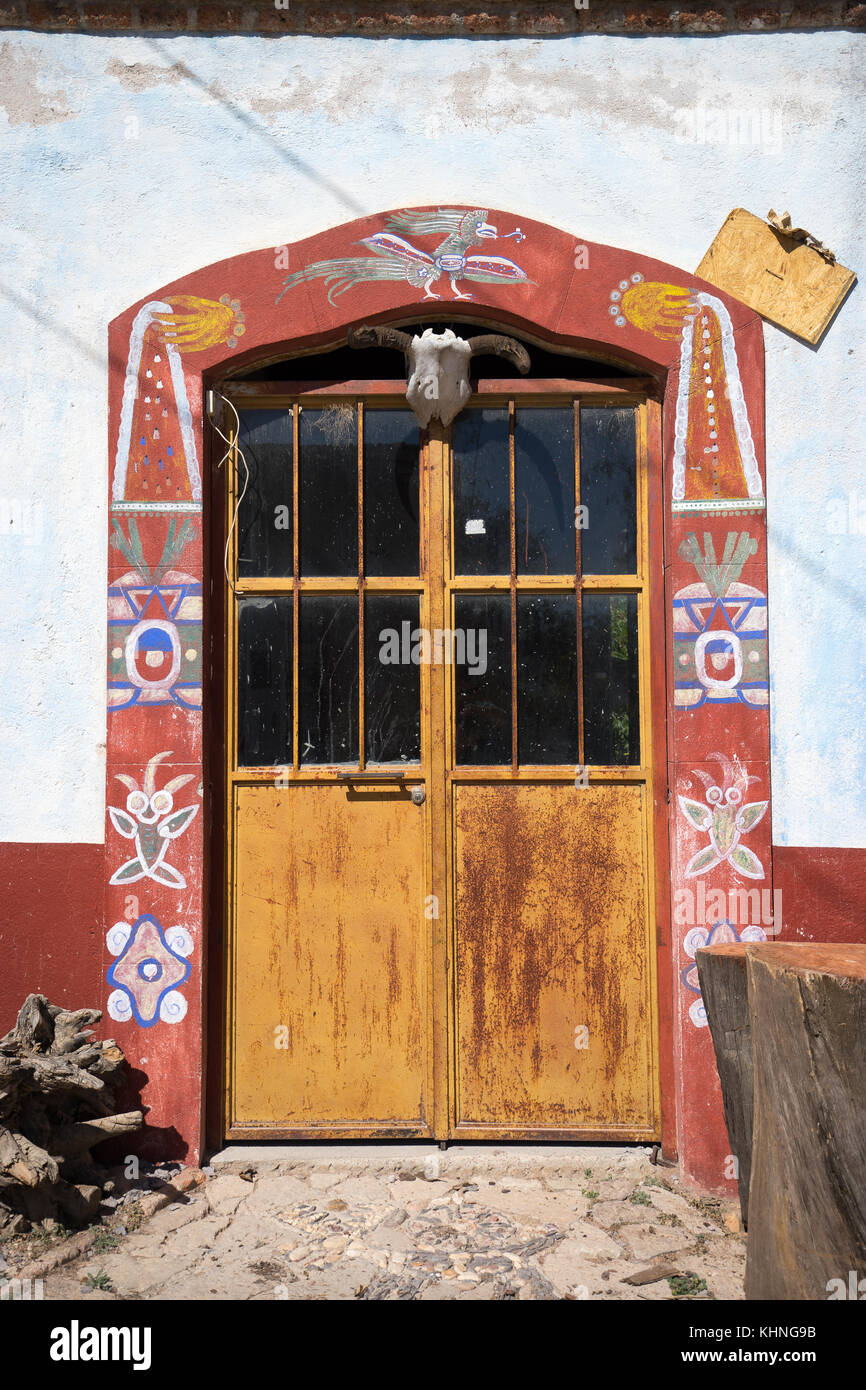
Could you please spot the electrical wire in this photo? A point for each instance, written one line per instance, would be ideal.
(230, 445)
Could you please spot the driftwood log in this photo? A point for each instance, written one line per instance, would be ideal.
(807, 1202)
(722, 973)
(56, 1102)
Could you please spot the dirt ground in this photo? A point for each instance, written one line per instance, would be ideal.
(609, 1225)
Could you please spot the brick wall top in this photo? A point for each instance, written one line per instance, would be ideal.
(431, 18)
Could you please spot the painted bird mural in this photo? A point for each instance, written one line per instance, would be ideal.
(395, 258)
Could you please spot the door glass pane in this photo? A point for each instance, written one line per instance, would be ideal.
(328, 679)
(607, 489)
(611, 731)
(547, 717)
(482, 681)
(544, 491)
(481, 511)
(328, 491)
(264, 523)
(264, 682)
(391, 444)
(392, 685)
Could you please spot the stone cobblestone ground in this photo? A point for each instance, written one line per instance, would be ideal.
(320, 1232)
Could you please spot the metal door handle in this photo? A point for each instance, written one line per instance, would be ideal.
(371, 776)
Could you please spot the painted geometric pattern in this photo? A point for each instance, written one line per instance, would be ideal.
(150, 965)
(720, 627)
(720, 647)
(154, 641)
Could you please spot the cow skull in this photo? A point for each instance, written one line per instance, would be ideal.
(438, 386)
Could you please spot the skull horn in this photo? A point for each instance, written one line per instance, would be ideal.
(497, 345)
(365, 336)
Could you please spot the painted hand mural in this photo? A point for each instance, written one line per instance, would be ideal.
(206, 322)
(657, 309)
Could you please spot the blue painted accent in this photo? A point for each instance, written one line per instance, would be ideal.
(119, 984)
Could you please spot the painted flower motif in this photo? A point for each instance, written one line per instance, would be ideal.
(725, 818)
(151, 822)
(720, 932)
(150, 965)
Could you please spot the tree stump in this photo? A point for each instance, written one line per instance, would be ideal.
(722, 973)
(807, 1200)
(56, 1102)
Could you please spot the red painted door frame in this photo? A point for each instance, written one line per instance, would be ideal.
(591, 299)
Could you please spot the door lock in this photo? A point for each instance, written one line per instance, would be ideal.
(418, 795)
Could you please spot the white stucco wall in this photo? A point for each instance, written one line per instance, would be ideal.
(125, 163)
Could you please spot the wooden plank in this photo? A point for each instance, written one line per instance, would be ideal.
(722, 973)
(807, 1203)
(784, 281)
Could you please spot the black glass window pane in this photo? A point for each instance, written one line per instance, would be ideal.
(392, 685)
(544, 491)
(328, 679)
(391, 445)
(264, 682)
(264, 522)
(482, 681)
(611, 731)
(328, 491)
(547, 716)
(608, 480)
(481, 511)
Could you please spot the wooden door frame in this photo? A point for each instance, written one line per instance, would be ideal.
(214, 750)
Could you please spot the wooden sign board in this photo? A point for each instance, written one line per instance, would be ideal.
(783, 280)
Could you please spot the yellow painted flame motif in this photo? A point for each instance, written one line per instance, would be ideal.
(657, 308)
(196, 324)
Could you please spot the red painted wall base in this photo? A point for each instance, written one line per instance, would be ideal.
(51, 942)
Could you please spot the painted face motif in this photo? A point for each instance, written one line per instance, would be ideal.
(157, 659)
(153, 654)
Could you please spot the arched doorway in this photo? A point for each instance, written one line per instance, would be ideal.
(703, 471)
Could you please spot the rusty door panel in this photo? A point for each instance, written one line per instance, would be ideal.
(330, 947)
(551, 936)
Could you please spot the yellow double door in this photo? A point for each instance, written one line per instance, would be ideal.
(438, 898)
